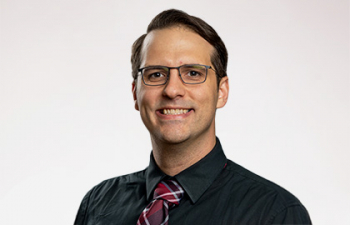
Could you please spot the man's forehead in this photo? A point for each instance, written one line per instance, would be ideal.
(173, 38)
(162, 33)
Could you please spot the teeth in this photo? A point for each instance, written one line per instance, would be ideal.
(175, 111)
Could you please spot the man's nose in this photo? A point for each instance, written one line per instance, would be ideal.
(174, 87)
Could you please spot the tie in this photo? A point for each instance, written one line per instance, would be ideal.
(166, 195)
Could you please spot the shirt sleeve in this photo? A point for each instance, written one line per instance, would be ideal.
(81, 219)
(296, 214)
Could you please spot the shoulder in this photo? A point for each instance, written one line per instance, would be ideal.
(260, 184)
(105, 194)
(276, 204)
(113, 188)
(119, 182)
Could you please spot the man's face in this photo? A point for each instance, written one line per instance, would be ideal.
(192, 106)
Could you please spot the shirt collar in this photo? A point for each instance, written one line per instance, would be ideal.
(196, 179)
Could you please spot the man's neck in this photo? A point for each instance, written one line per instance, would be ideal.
(174, 158)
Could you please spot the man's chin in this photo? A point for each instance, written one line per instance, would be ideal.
(173, 138)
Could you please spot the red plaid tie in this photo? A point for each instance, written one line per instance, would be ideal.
(167, 194)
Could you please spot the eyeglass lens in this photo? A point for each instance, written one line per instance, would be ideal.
(191, 74)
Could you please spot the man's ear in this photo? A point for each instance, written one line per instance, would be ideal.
(223, 92)
(134, 95)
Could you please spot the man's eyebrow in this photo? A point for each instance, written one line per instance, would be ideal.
(160, 66)
(173, 66)
(155, 65)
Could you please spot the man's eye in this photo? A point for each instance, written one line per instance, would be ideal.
(155, 75)
(193, 73)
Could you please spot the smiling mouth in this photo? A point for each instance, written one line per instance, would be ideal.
(174, 111)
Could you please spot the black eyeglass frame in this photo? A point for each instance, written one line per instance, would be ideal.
(178, 69)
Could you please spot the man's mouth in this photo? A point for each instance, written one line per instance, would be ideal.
(174, 111)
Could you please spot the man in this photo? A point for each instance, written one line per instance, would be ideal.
(179, 71)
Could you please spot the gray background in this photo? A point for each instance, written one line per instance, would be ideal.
(67, 119)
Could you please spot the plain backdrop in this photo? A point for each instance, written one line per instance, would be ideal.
(67, 119)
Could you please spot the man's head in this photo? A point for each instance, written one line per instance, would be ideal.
(178, 109)
(172, 18)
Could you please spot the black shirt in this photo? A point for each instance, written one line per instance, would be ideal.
(217, 191)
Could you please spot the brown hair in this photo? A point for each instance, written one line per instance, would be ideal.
(173, 17)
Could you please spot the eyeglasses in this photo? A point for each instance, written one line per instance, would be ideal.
(189, 73)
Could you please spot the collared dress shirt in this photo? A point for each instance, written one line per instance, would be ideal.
(217, 192)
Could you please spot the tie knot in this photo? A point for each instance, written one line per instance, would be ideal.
(170, 191)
